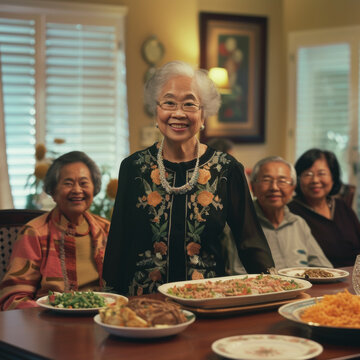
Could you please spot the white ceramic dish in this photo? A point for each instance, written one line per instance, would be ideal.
(152, 332)
(295, 271)
(294, 310)
(230, 301)
(109, 299)
(263, 346)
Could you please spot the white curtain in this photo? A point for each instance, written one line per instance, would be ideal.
(6, 201)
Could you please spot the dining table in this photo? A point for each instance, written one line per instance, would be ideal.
(38, 333)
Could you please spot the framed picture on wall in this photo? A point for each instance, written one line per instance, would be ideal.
(238, 44)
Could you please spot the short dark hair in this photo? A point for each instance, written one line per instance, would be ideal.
(53, 174)
(221, 144)
(306, 161)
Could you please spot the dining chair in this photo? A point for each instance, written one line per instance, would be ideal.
(11, 220)
(347, 193)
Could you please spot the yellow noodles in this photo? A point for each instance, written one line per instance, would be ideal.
(340, 310)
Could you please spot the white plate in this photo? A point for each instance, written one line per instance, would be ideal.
(294, 311)
(109, 299)
(292, 272)
(230, 301)
(263, 346)
(152, 332)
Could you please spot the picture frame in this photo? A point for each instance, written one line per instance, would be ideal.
(239, 44)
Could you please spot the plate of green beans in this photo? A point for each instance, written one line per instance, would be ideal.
(77, 301)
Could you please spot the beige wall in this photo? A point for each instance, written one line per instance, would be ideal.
(314, 14)
(274, 144)
(175, 23)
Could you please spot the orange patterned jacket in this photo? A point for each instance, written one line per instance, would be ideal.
(36, 262)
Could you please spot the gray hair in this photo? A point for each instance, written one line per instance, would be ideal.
(209, 95)
(269, 159)
(53, 174)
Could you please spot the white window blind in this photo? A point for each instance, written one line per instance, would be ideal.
(63, 77)
(17, 50)
(322, 104)
(81, 89)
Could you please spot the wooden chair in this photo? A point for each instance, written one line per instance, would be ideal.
(347, 193)
(10, 223)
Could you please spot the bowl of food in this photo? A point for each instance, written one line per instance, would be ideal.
(143, 318)
(332, 315)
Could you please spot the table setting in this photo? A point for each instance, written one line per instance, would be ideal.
(248, 326)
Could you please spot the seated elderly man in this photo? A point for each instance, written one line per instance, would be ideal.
(273, 181)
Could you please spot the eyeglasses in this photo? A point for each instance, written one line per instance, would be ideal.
(187, 106)
(281, 183)
(311, 174)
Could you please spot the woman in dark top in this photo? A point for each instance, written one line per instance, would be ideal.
(333, 223)
(175, 197)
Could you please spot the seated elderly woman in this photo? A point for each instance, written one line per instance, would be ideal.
(63, 249)
(333, 223)
(273, 181)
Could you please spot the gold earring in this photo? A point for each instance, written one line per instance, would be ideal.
(202, 127)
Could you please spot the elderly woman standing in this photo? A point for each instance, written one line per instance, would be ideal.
(61, 250)
(175, 197)
(273, 182)
(333, 223)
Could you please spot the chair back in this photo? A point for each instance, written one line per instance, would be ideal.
(10, 223)
(347, 193)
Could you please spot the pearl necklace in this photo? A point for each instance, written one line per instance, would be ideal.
(184, 188)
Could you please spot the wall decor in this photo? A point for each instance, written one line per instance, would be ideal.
(152, 51)
(238, 44)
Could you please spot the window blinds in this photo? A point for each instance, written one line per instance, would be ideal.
(63, 77)
(322, 108)
(17, 51)
(81, 89)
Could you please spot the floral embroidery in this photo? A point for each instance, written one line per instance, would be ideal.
(155, 176)
(140, 291)
(204, 176)
(154, 199)
(160, 247)
(196, 275)
(155, 275)
(205, 198)
(193, 248)
(151, 266)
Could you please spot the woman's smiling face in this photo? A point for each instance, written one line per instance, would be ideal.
(179, 125)
(75, 190)
(316, 182)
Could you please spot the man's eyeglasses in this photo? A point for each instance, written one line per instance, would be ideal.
(311, 174)
(187, 106)
(281, 183)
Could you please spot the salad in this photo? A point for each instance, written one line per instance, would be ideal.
(76, 300)
(260, 284)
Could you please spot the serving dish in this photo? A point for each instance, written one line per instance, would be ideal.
(293, 313)
(242, 309)
(109, 299)
(264, 346)
(151, 332)
(231, 301)
(294, 272)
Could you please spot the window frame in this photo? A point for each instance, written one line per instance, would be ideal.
(65, 12)
(296, 40)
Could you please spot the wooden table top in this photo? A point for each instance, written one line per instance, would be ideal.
(41, 334)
